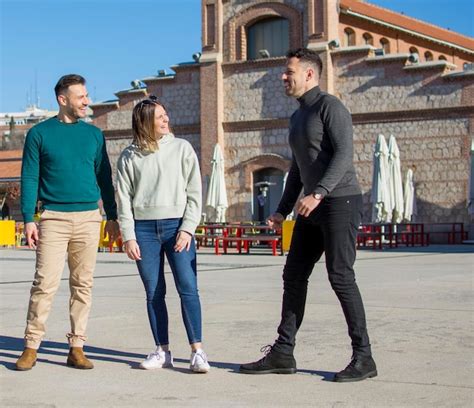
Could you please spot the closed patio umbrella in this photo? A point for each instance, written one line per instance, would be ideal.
(380, 196)
(409, 197)
(216, 202)
(395, 180)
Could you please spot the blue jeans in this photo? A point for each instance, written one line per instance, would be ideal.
(156, 238)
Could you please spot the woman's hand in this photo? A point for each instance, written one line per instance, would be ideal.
(133, 250)
(183, 240)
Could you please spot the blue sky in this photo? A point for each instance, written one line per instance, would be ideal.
(112, 42)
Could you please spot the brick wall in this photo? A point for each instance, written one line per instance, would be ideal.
(181, 97)
(386, 86)
(429, 116)
(255, 94)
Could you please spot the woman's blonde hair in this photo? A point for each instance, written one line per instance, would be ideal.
(143, 124)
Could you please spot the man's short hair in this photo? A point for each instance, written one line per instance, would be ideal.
(66, 81)
(308, 56)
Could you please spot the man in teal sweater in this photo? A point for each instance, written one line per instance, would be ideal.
(65, 165)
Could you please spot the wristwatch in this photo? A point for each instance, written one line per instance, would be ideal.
(317, 196)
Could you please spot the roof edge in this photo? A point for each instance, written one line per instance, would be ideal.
(405, 23)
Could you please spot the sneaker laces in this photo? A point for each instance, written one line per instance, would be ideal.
(201, 354)
(156, 354)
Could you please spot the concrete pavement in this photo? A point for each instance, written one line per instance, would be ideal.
(419, 305)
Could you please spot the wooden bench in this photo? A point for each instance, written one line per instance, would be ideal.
(246, 242)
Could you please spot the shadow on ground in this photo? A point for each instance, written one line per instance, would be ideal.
(12, 347)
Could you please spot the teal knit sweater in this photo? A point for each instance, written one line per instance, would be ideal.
(66, 167)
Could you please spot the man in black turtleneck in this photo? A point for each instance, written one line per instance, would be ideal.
(328, 217)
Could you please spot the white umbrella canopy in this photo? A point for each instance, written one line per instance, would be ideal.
(380, 196)
(409, 197)
(216, 202)
(395, 180)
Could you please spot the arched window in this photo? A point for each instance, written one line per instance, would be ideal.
(368, 39)
(268, 38)
(385, 44)
(428, 56)
(413, 50)
(442, 58)
(349, 37)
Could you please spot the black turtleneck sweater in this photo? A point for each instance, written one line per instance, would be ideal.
(321, 141)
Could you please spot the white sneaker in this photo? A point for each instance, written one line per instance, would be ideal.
(198, 362)
(158, 359)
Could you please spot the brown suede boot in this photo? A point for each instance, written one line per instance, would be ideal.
(27, 360)
(77, 359)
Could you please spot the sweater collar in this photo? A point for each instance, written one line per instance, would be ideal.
(56, 118)
(166, 138)
(309, 97)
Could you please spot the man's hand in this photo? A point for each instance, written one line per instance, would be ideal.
(112, 230)
(132, 250)
(31, 233)
(275, 220)
(307, 204)
(183, 241)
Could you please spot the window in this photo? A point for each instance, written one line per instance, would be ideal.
(349, 37)
(442, 58)
(428, 56)
(368, 39)
(413, 50)
(385, 44)
(271, 34)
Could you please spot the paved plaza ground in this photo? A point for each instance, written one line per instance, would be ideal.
(419, 305)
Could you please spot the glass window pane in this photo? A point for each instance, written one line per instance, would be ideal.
(270, 34)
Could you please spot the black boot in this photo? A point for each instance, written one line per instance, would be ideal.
(274, 362)
(358, 369)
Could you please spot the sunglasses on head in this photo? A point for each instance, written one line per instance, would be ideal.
(152, 100)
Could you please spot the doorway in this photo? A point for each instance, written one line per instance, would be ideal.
(267, 192)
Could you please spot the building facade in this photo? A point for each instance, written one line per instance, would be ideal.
(396, 75)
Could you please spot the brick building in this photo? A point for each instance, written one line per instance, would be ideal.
(397, 75)
(13, 129)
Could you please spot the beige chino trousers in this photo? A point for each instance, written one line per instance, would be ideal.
(77, 235)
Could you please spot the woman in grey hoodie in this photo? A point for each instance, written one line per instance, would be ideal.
(159, 196)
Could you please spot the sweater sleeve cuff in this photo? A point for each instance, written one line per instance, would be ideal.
(111, 216)
(28, 218)
(321, 190)
(188, 227)
(128, 235)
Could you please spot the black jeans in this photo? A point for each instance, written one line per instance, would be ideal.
(331, 228)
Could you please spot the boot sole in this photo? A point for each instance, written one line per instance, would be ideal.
(371, 374)
(24, 369)
(272, 371)
(71, 364)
